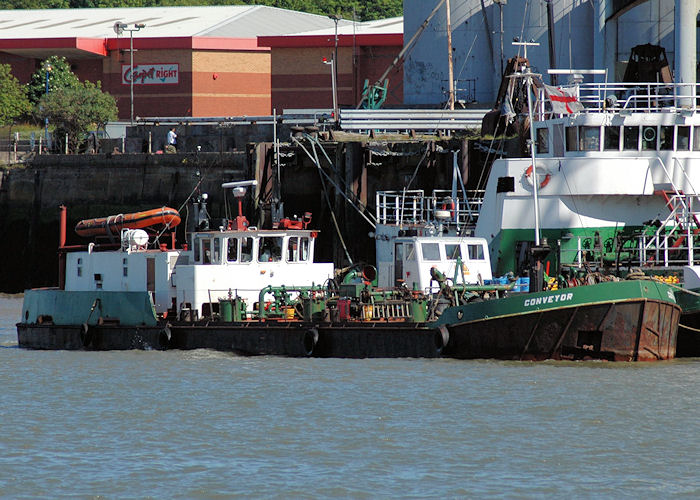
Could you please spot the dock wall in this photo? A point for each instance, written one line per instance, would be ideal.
(109, 184)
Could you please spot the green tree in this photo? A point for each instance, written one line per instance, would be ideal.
(59, 75)
(13, 97)
(76, 110)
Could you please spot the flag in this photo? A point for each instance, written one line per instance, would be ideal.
(563, 101)
(507, 110)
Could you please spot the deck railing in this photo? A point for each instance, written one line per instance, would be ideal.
(632, 97)
(415, 207)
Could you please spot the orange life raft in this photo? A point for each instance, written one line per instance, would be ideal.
(112, 225)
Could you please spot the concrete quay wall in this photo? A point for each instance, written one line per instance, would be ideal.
(100, 185)
(91, 186)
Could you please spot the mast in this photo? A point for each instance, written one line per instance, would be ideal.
(527, 74)
(450, 67)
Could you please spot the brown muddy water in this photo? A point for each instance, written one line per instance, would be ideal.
(202, 424)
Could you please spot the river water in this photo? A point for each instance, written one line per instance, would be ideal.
(201, 424)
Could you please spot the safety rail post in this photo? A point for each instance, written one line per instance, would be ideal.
(397, 210)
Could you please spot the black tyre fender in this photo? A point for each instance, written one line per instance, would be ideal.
(85, 335)
(442, 337)
(309, 341)
(164, 337)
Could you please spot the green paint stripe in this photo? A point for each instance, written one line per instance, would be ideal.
(612, 292)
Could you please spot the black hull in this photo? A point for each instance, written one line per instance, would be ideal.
(642, 330)
(688, 345)
(636, 330)
(295, 339)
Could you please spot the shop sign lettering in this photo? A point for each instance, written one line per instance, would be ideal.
(151, 74)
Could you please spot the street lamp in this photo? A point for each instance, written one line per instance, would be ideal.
(47, 69)
(119, 28)
(334, 68)
(334, 87)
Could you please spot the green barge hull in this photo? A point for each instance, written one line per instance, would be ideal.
(635, 320)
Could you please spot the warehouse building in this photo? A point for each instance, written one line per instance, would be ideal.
(203, 61)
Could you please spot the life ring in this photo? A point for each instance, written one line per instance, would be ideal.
(545, 181)
(449, 206)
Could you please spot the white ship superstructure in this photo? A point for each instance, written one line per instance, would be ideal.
(629, 161)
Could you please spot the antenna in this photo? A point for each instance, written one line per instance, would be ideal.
(525, 45)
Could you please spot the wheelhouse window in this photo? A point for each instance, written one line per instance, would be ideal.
(589, 138)
(453, 251)
(246, 249)
(410, 252)
(666, 137)
(216, 255)
(612, 139)
(571, 138)
(648, 138)
(297, 249)
(431, 251)
(542, 140)
(630, 138)
(197, 250)
(476, 252)
(683, 138)
(270, 249)
(232, 250)
(206, 251)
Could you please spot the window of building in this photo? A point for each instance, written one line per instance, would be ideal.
(630, 141)
(612, 138)
(542, 140)
(431, 251)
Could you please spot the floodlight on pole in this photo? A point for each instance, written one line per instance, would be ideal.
(120, 28)
(334, 88)
(335, 18)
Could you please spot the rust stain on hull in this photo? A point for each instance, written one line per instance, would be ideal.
(643, 330)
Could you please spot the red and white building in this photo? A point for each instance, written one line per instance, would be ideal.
(206, 61)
